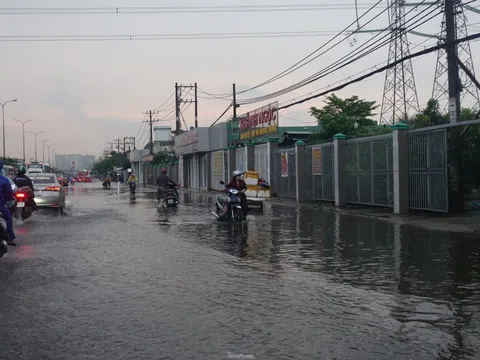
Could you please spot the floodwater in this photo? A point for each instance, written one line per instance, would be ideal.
(117, 279)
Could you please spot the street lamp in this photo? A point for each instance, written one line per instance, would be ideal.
(49, 146)
(43, 147)
(36, 134)
(23, 131)
(3, 121)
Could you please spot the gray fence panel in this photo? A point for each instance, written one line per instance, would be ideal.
(284, 186)
(428, 170)
(369, 173)
(322, 186)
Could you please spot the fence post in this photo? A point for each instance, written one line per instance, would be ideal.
(400, 168)
(250, 156)
(272, 147)
(301, 168)
(231, 161)
(339, 167)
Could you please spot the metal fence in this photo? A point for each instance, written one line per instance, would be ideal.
(428, 170)
(369, 173)
(284, 186)
(321, 179)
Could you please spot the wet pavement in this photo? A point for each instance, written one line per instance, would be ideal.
(117, 279)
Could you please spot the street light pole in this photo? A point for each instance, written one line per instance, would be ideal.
(36, 134)
(43, 148)
(23, 130)
(3, 121)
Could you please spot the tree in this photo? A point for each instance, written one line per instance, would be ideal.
(107, 165)
(351, 117)
(164, 158)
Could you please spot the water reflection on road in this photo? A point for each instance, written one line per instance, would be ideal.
(134, 282)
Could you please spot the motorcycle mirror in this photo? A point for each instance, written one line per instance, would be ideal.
(222, 182)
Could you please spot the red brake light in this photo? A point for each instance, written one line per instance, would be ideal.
(52, 188)
(20, 195)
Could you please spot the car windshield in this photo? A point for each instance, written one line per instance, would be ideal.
(43, 179)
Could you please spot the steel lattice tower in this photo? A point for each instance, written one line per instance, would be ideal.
(464, 53)
(400, 92)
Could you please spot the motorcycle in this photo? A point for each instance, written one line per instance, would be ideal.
(106, 184)
(169, 197)
(133, 186)
(232, 200)
(3, 237)
(21, 209)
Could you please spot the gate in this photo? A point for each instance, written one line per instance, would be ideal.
(285, 186)
(217, 169)
(320, 172)
(428, 170)
(369, 171)
(262, 162)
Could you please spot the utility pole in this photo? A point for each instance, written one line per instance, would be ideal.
(177, 111)
(23, 131)
(234, 103)
(36, 134)
(196, 107)
(453, 78)
(117, 144)
(179, 101)
(150, 114)
(124, 144)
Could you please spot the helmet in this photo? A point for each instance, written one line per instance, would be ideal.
(22, 169)
(163, 171)
(237, 173)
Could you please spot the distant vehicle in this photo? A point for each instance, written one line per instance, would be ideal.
(84, 176)
(48, 191)
(38, 167)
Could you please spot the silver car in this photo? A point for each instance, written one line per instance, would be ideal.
(49, 193)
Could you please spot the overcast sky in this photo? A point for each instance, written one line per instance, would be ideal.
(85, 93)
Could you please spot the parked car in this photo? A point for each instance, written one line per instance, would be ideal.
(48, 191)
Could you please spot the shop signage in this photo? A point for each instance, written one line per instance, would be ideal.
(317, 161)
(260, 122)
(284, 161)
(148, 158)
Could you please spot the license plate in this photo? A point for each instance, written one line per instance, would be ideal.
(21, 204)
(38, 193)
(170, 201)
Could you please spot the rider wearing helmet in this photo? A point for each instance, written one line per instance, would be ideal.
(22, 180)
(163, 182)
(238, 183)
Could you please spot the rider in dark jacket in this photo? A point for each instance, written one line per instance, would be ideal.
(163, 182)
(22, 180)
(6, 201)
(238, 183)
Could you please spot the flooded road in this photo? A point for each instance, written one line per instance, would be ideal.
(117, 279)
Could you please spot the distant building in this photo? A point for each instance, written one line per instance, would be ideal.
(74, 162)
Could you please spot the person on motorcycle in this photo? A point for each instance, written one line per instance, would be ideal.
(22, 180)
(6, 202)
(132, 179)
(163, 182)
(107, 181)
(240, 185)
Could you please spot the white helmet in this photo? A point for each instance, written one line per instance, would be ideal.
(237, 173)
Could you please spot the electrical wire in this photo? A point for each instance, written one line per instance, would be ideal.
(177, 9)
(299, 64)
(158, 107)
(346, 60)
(154, 37)
(383, 68)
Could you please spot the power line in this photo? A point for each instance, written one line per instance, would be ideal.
(158, 107)
(299, 64)
(343, 62)
(177, 9)
(154, 37)
(383, 68)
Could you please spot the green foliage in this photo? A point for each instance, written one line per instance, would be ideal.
(10, 161)
(164, 158)
(351, 116)
(106, 165)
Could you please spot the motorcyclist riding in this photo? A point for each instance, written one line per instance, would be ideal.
(163, 182)
(6, 201)
(22, 180)
(238, 183)
(107, 180)
(132, 179)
